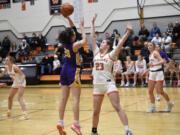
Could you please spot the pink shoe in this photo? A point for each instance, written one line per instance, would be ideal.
(61, 129)
(76, 129)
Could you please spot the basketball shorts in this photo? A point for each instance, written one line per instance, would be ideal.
(16, 84)
(101, 89)
(156, 76)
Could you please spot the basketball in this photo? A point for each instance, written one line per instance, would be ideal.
(67, 9)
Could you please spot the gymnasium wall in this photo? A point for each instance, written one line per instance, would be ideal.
(36, 18)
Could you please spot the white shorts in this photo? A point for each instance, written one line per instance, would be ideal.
(156, 76)
(101, 89)
(16, 84)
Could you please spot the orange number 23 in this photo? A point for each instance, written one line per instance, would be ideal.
(99, 66)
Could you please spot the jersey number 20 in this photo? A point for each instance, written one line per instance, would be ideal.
(99, 66)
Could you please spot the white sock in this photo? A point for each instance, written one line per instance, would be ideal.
(61, 122)
(25, 112)
(126, 127)
(153, 105)
(77, 122)
(9, 110)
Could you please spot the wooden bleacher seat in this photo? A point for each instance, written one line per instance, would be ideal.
(38, 48)
(51, 47)
(137, 52)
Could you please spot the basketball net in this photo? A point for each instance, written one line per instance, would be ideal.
(78, 10)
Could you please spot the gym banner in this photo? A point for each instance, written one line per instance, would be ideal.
(54, 6)
(5, 4)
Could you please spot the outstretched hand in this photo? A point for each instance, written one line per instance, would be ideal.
(94, 18)
(129, 26)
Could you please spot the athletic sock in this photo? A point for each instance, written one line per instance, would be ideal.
(126, 127)
(77, 122)
(61, 122)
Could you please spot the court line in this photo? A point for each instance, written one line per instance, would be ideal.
(89, 118)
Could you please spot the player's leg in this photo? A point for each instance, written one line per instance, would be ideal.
(151, 86)
(165, 95)
(122, 80)
(115, 101)
(97, 103)
(127, 78)
(76, 92)
(21, 102)
(10, 100)
(135, 78)
(65, 90)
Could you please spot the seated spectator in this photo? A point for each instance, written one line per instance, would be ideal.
(173, 68)
(176, 33)
(107, 36)
(46, 64)
(24, 49)
(6, 43)
(166, 44)
(154, 30)
(140, 67)
(42, 42)
(17, 58)
(26, 38)
(127, 46)
(115, 31)
(1, 60)
(169, 29)
(59, 51)
(117, 68)
(143, 33)
(56, 65)
(117, 40)
(145, 52)
(157, 39)
(34, 41)
(129, 71)
(14, 49)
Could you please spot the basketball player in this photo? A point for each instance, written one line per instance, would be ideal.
(70, 76)
(19, 83)
(103, 78)
(156, 78)
(130, 70)
(140, 69)
(117, 68)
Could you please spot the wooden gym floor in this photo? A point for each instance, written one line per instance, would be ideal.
(42, 104)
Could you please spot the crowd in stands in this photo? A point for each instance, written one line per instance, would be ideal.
(136, 45)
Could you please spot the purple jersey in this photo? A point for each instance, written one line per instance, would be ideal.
(70, 73)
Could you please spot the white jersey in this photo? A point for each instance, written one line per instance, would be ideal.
(140, 66)
(117, 66)
(153, 60)
(17, 78)
(130, 66)
(103, 66)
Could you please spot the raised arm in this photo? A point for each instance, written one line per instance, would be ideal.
(82, 42)
(119, 46)
(93, 39)
(70, 21)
